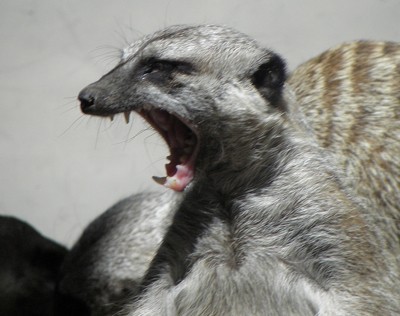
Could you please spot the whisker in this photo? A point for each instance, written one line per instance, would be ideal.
(154, 162)
(71, 125)
(69, 109)
(123, 29)
(156, 140)
(98, 133)
(121, 34)
(71, 103)
(141, 132)
(127, 135)
(106, 53)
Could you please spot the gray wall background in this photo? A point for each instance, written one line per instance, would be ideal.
(60, 169)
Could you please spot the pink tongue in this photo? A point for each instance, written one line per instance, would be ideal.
(178, 175)
(179, 181)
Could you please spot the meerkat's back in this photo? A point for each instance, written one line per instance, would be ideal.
(351, 98)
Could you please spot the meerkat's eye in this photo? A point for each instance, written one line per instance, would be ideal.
(164, 69)
(159, 66)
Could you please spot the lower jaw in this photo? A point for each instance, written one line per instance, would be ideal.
(179, 181)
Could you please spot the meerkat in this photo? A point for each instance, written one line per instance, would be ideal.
(351, 98)
(288, 189)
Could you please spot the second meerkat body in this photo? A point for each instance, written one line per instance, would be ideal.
(283, 212)
(351, 97)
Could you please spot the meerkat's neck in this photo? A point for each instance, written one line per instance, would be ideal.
(282, 198)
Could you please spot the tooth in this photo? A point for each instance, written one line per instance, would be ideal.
(160, 180)
(126, 114)
(111, 118)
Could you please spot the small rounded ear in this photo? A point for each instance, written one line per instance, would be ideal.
(269, 79)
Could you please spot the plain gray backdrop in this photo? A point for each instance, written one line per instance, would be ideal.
(60, 169)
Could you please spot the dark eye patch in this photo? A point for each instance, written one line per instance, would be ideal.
(158, 66)
(158, 69)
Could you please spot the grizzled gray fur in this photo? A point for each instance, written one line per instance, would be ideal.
(291, 188)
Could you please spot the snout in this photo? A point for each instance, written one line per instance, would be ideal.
(106, 98)
(89, 98)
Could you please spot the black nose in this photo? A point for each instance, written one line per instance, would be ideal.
(88, 100)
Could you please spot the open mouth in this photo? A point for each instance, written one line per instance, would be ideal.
(183, 145)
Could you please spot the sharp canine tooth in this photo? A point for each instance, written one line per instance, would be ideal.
(126, 114)
(160, 180)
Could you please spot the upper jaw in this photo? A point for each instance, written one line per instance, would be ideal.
(181, 137)
(179, 133)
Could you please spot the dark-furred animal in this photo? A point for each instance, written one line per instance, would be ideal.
(29, 267)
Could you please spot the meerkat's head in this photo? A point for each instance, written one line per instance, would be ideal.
(203, 88)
